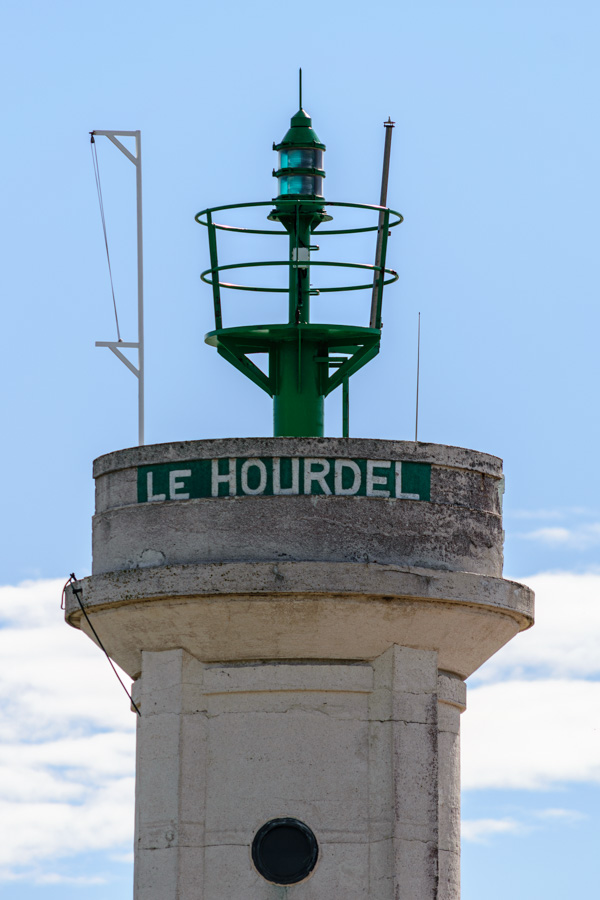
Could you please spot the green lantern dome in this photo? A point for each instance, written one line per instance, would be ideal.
(300, 133)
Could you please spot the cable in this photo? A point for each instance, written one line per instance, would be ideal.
(65, 586)
(101, 202)
(77, 591)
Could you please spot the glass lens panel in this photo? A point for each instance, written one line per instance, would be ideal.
(301, 158)
(300, 184)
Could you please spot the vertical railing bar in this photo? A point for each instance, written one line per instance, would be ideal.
(346, 408)
(214, 263)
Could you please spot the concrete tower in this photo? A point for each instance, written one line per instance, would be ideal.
(299, 615)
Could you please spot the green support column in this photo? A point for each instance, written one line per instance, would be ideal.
(298, 405)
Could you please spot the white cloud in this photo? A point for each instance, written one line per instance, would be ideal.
(565, 640)
(568, 816)
(548, 535)
(535, 513)
(533, 718)
(579, 537)
(562, 512)
(531, 734)
(77, 880)
(67, 746)
(122, 857)
(480, 831)
(43, 830)
(45, 665)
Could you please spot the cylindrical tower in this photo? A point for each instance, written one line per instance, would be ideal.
(299, 615)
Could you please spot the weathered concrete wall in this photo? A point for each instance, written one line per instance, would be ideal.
(351, 750)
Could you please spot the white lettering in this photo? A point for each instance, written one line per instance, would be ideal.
(175, 486)
(311, 475)
(340, 465)
(150, 489)
(262, 482)
(217, 479)
(295, 488)
(399, 493)
(373, 480)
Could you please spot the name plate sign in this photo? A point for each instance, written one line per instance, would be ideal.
(284, 476)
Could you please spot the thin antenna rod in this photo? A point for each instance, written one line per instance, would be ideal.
(382, 202)
(300, 86)
(418, 367)
(140, 287)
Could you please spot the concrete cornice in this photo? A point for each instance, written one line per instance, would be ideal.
(369, 448)
(299, 610)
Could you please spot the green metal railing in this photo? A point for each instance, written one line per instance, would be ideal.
(215, 268)
(299, 352)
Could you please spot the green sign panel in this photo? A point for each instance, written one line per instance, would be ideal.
(284, 476)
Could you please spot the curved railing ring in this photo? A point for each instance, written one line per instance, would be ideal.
(316, 203)
(295, 265)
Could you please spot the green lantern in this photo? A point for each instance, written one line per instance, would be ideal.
(300, 171)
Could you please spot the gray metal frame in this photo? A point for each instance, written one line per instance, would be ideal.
(117, 346)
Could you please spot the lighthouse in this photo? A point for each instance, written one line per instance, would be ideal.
(298, 613)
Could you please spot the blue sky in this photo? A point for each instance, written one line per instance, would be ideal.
(494, 166)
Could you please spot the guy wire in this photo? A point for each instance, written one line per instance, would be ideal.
(77, 591)
(101, 202)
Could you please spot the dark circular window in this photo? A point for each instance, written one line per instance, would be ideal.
(285, 851)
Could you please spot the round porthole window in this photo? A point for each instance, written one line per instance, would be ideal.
(285, 851)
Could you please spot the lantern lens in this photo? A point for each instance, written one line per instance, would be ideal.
(301, 184)
(301, 158)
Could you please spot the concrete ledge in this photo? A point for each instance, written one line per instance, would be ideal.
(345, 611)
(247, 579)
